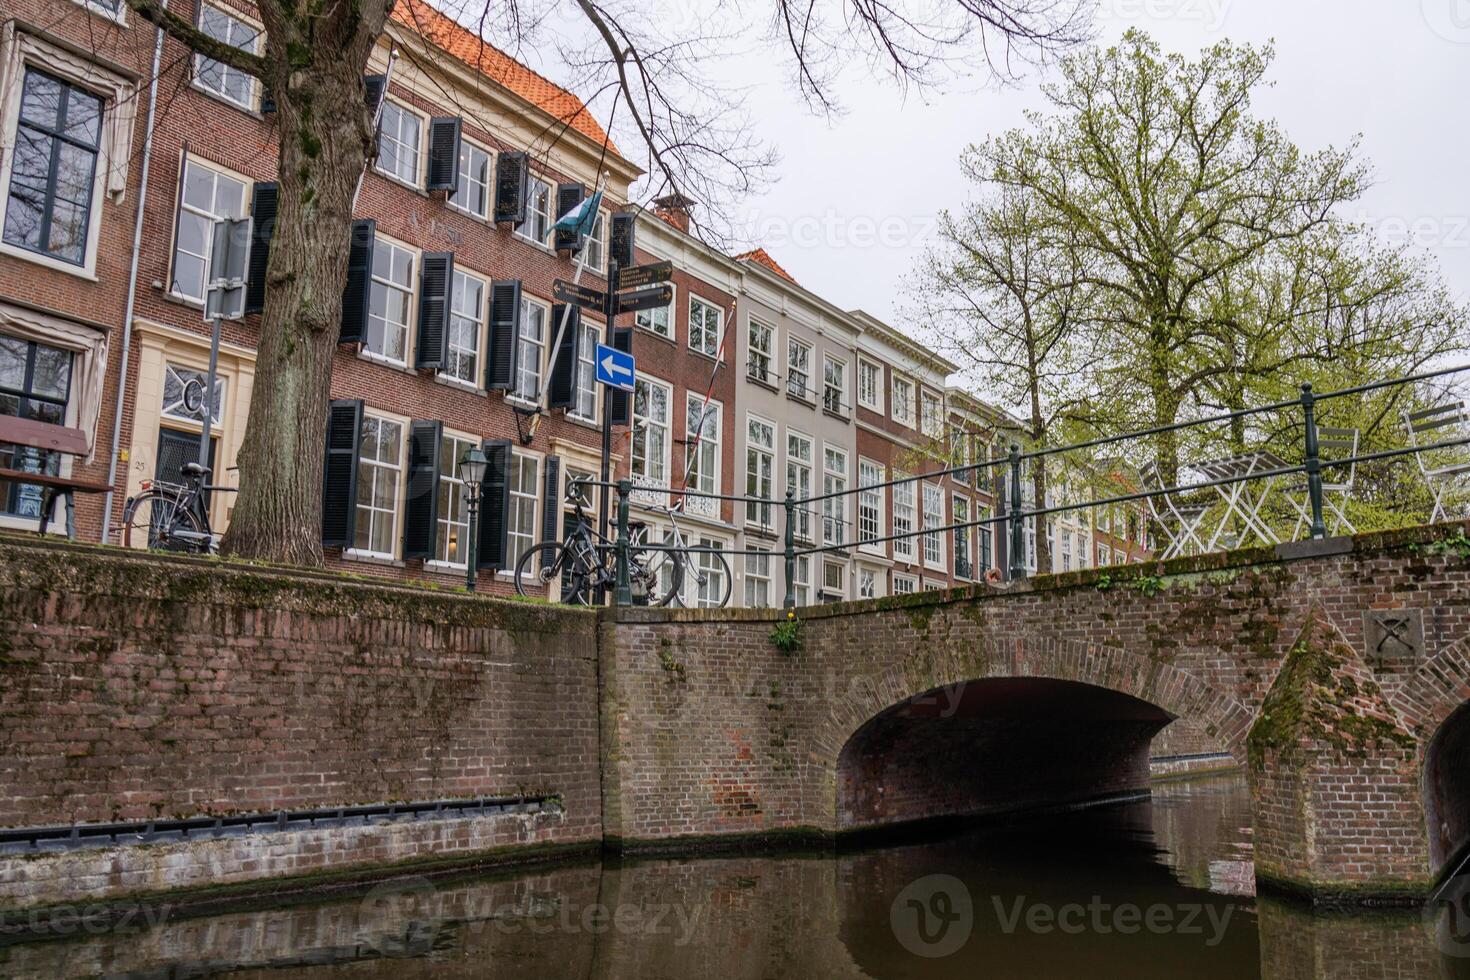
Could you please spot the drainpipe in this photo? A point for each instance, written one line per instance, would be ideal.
(127, 337)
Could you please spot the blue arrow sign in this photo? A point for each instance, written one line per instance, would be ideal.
(615, 368)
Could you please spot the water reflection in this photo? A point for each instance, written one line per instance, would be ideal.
(1149, 889)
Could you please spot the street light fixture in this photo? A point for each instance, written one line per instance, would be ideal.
(472, 474)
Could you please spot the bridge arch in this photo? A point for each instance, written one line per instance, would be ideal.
(924, 737)
(1435, 702)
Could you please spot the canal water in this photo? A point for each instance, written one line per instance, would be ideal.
(1151, 888)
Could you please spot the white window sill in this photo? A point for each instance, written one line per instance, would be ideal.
(521, 401)
(543, 246)
(118, 16)
(450, 381)
(870, 407)
(434, 565)
(169, 296)
(371, 558)
(399, 180)
(57, 524)
(485, 218)
(668, 337)
(249, 110)
(382, 359)
(80, 271)
(583, 420)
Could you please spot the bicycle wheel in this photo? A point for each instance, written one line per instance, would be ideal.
(712, 579)
(160, 522)
(655, 576)
(577, 585)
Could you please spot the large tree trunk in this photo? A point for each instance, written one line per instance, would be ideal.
(326, 139)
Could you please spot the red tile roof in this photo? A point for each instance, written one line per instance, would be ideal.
(762, 257)
(462, 44)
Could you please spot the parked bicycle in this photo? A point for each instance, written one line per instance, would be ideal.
(172, 516)
(586, 564)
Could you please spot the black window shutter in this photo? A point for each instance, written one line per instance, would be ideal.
(339, 474)
(550, 506)
(512, 181)
(621, 248)
(444, 133)
(568, 196)
(505, 322)
(373, 90)
(436, 280)
(620, 406)
(562, 390)
(495, 506)
(263, 208)
(358, 288)
(421, 516)
(267, 100)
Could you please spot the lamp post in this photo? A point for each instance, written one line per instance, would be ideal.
(472, 473)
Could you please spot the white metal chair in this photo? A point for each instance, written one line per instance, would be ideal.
(1332, 444)
(1180, 523)
(1441, 423)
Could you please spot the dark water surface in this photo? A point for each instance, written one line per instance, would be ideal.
(1162, 888)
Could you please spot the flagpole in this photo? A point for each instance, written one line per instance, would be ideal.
(566, 315)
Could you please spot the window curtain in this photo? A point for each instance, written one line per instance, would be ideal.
(88, 367)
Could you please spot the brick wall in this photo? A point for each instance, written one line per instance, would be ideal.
(709, 729)
(137, 688)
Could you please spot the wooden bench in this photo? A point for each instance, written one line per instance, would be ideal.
(54, 439)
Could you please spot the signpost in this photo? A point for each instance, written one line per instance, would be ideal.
(615, 368)
(646, 275)
(584, 296)
(224, 299)
(645, 299)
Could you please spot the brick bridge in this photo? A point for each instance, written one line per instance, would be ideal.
(1334, 674)
(135, 688)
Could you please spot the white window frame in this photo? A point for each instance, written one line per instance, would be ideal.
(191, 162)
(904, 584)
(903, 403)
(110, 175)
(796, 463)
(253, 99)
(756, 455)
(661, 478)
(801, 580)
(365, 497)
(837, 593)
(757, 574)
(832, 364)
(932, 541)
(644, 320)
(767, 374)
(477, 358)
(870, 589)
(444, 522)
(594, 250)
(584, 384)
(524, 343)
(703, 542)
(834, 509)
(537, 188)
(517, 500)
(707, 473)
(410, 306)
(870, 499)
(467, 150)
(905, 503)
(714, 351)
(870, 400)
(931, 424)
(416, 182)
(808, 392)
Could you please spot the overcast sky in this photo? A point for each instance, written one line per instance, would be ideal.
(1397, 73)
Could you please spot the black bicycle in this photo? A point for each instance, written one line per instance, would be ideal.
(586, 564)
(172, 516)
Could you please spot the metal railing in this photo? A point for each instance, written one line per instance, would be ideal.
(1019, 508)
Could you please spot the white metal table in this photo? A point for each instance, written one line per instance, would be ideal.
(1244, 498)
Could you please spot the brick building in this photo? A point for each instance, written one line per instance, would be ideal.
(747, 382)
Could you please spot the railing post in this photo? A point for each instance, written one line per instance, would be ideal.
(790, 601)
(1314, 461)
(1018, 540)
(623, 590)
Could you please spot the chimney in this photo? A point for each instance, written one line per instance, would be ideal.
(674, 208)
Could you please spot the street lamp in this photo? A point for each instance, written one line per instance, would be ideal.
(472, 473)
